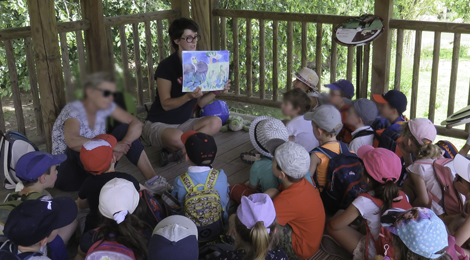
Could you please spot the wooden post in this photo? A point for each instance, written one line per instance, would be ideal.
(95, 37)
(47, 55)
(182, 6)
(201, 13)
(381, 49)
(215, 30)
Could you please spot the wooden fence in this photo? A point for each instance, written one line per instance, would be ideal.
(358, 59)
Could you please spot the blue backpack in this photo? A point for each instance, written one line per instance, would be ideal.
(344, 178)
(449, 149)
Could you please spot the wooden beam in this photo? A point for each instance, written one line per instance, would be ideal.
(318, 53)
(33, 82)
(200, 11)
(381, 49)
(70, 88)
(96, 45)
(138, 66)
(399, 56)
(415, 81)
(453, 74)
(15, 89)
(47, 55)
(215, 30)
(140, 18)
(182, 7)
(24, 32)
(430, 26)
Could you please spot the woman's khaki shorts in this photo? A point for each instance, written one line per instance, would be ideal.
(152, 132)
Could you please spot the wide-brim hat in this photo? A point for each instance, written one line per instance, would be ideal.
(309, 77)
(265, 128)
(458, 118)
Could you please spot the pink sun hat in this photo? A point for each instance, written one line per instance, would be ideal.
(381, 164)
(422, 128)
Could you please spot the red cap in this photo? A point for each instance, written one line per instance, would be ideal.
(96, 154)
(381, 164)
(186, 135)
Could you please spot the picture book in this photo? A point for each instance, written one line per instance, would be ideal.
(206, 69)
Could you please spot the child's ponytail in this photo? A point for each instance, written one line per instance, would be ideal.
(260, 238)
(429, 151)
(386, 192)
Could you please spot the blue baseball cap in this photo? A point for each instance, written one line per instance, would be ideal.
(34, 220)
(343, 84)
(34, 164)
(396, 99)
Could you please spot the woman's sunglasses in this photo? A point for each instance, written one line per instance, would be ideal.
(106, 93)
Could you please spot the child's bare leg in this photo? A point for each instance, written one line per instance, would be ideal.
(66, 232)
(409, 188)
(347, 237)
(80, 255)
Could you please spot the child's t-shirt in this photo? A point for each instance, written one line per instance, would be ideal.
(301, 207)
(345, 133)
(91, 189)
(42, 250)
(198, 175)
(360, 141)
(369, 211)
(424, 168)
(239, 254)
(302, 132)
(322, 168)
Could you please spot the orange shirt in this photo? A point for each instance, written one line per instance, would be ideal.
(345, 135)
(301, 207)
(322, 168)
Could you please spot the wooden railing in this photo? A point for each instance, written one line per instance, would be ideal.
(358, 58)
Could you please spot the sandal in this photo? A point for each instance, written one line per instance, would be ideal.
(250, 157)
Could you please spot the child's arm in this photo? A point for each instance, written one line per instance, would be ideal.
(272, 193)
(422, 197)
(463, 233)
(314, 162)
(82, 203)
(344, 219)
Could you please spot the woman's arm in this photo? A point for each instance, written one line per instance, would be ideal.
(164, 93)
(422, 197)
(72, 134)
(344, 219)
(135, 126)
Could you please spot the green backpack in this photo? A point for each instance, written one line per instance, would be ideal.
(12, 201)
(204, 207)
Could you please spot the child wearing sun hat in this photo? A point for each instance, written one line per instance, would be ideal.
(307, 80)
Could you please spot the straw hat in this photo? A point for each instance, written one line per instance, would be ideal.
(307, 76)
(265, 128)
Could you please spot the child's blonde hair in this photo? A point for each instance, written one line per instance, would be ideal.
(328, 134)
(257, 241)
(426, 151)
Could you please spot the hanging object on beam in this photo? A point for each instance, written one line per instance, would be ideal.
(358, 31)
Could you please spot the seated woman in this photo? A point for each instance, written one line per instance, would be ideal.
(80, 121)
(171, 112)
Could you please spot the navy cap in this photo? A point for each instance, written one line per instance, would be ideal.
(34, 164)
(200, 148)
(343, 84)
(396, 99)
(34, 220)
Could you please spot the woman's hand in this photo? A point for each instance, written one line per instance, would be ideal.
(227, 86)
(197, 93)
(122, 147)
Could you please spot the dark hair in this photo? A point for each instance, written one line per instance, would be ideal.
(289, 178)
(344, 95)
(385, 192)
(31, 183)
(96, 79)
(299, 99)
(404, 252)
(177, 28)
(128, 233)
(257, 241)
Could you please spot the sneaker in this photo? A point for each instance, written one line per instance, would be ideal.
(167, 157)
(250, 157)
(157, 185)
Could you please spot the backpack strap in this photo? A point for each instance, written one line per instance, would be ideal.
(187, 182)
(211, 179)
(363, 133)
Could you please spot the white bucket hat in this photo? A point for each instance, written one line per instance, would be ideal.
(308, 76)
(462, 167)
(265, 128)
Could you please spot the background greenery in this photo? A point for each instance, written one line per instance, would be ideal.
(15, 14)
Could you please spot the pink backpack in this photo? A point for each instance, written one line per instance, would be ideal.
(455, 251)
(451, 200)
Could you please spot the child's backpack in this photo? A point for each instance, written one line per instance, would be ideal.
(11, 202)
(455, 251)
(109, 250)
(13, 145)
(451, 200)
(155, 211)
(386, 137)
(363, 133)
(171, 204)
(385, 237)
(344, 178)
(449, 149)
(204, 207)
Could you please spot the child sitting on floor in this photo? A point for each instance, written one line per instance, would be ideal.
(392, 105)
(120, 230)
(417, 234)
(341, 93)
(254, 227)
(382, 168)
(295, 104)
(307, 80)
(418, 135)
(298, 205)
(461, 166)
(97, 158)
(362, 113)
(175, 238)
(35, 226)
